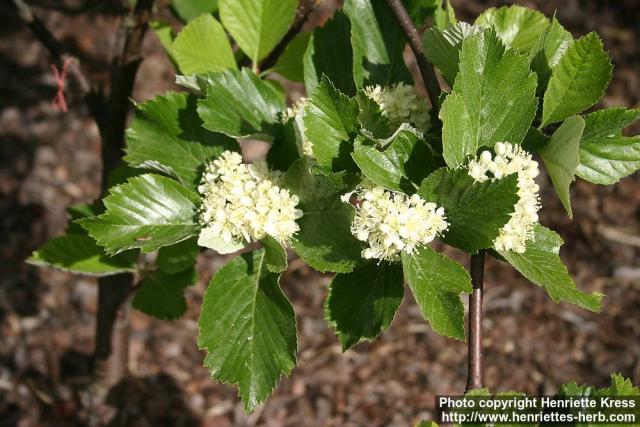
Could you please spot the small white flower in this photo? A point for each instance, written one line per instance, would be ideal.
(393, 222)
(401, 104)
(509, 159)
(295, 112)
(241, 202)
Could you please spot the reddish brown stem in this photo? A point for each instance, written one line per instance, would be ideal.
(415, 41)
(475, 371)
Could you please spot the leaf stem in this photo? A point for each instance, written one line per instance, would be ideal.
(415, 41)
(475, 371)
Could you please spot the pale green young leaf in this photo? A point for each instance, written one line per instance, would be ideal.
(541, 264)
(167, 136)
(240, 104)
(362, 304)
(248, 328)
(517, 26)
(275, 255)
(148, 212)
(188, 10)
(578, 81)
(290, 65)
(208, 238)
(477, 113)
(257, 25)
(442, 47)
(476, 211)
(330, 54)
(166, 35)
(179, 257)
(378, 44)
(436, 283)
(444, 16)
(161, 295)
(203, 46)
(330, 124)
(606, 155)
(323, 247)
(79, 254)
(400, 166)
(561, 158)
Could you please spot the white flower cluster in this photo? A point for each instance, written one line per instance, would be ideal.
(509, 159)
(393, 222)
(401, 104)
(240, 202)
(293, 112)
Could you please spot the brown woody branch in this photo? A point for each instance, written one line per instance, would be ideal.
(474, 376)
(415, 41)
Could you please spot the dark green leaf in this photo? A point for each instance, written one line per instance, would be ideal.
(161, 295)
(148, 212)
(561, 157)
(477, 113)
(378, 44)
(476, 211)
(257, 25)
(362, 304)
(189, 10)
(179, 257)
(578, 81)
(290, 65)
(284, 149)
(401, 166)
(542, 265)
(436, 283)
(240, 104)
(248, 328)
(275, 255)
(330, 124)
(166, 135)
(442, 47)
(330, 54)
(203, 46)
(606, 155)
(323, 247)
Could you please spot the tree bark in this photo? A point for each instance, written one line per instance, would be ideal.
(475, 371)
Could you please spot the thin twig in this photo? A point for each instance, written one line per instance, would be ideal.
(426, 69)
(474, 377)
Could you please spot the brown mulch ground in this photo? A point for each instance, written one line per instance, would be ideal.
(49, 160)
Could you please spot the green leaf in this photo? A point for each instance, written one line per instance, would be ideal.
(202, 46)
(330, 124)
(275, 255)
(561, 157)
(517, 26)
(330, 54)
(248, 328)
(444, 16)
(188, 10)
(362, 304)
(442, 47)
(578, 81)
(401, 166)
(420, 10)
(211, 239)
(284, 150)
(546, 55)
(240, 104)
(166, 35)
(542, 265)
(436, 283)
(476, 211)
(257, 25)
(378, 44)
(477, 113)
(606, 155)
(79, 254)
(161, 295)
(535, 140)
(166, 136)
(179, 257)
(148, 212)
(290, 65)
(325, 248)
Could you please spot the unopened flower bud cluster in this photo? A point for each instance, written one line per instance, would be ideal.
(393, 222)
(240, 202)
(294, 112)
(400, 104)
(509, 159)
